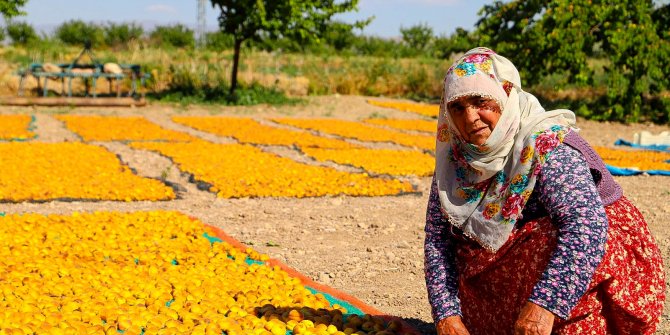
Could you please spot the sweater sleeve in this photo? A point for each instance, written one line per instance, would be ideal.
(567, 191)
(440, 263)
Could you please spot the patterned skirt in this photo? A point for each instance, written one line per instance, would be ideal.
(626, 294)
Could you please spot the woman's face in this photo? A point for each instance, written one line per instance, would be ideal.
(474, 117)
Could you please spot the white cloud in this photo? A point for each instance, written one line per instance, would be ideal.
(159, 8)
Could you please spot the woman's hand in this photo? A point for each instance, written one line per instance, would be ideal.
(451, 326)
(534, 320)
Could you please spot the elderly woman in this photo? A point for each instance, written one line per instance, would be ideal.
(526, 230)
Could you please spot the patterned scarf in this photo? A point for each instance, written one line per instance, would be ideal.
(483, 189)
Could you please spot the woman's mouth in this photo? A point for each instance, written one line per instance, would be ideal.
(478, 131)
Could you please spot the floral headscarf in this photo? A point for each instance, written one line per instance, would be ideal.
(483, 189)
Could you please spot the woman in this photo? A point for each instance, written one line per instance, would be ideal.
(526, 230)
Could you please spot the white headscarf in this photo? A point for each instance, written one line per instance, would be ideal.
(483, 189)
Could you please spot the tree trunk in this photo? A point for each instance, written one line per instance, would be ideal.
(236, 62)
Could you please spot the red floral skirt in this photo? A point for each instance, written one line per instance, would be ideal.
(626, 294)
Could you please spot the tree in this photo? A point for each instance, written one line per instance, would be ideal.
(339, 36)
(218, 40)
(460, 41)
(10, 8)
(661, 17)
(120, 33)
(178, 36)
(417, 37)
(377, 46)
(298, 20)
(561, 36)
(78, 32)
(21, 33)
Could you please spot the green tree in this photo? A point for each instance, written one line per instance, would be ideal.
(339, 35)
(417, 37)
(561, 36)
(11, 8)
(661, 17)
(21, 33)
(218, 40)
(178, 36)
(377, 46)
(297, 20)
(460, 41)
(78, 32)
(120, 33)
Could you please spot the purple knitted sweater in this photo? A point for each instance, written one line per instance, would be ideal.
(608, 189)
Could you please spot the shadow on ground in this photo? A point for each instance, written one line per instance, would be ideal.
(423, 327)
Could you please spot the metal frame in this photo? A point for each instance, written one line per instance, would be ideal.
(133, 71)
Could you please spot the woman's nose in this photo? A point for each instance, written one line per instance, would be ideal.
(471, 113)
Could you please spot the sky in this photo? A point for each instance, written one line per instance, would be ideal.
(444, 16)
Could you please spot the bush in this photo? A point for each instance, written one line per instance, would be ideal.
(119, 34)
(178, 36)
(418, 38)
(339, 36)
(377, 46)
(21, 33)
(219, 41)
(77, 32)
(458, 42)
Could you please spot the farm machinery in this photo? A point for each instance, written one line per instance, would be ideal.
(49, 74)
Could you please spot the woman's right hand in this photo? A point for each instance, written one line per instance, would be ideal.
(452, 325)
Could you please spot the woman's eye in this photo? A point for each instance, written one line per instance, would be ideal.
(456, 108)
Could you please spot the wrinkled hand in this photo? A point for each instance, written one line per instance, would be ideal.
(452, 325)
(534, 320)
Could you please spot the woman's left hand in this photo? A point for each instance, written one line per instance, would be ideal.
(534, 320)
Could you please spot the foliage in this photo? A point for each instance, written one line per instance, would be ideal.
(560, 36)
(188, 90)
(11, 8)
(377, 46)
(219, 41)
(21, 33)
(178, 36)
(661, 17)
(299, 21)
(339, 36)
(77, 32)
(458, 42)
(418, 37)
(116, 34)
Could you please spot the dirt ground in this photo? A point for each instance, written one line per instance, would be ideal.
(368, 247)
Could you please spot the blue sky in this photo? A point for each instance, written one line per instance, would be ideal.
(444, 16)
